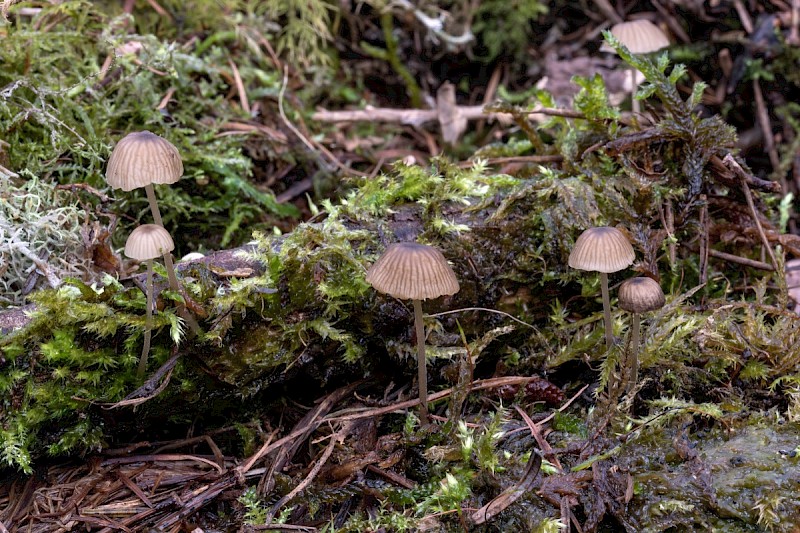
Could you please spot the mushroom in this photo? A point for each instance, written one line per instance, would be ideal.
(640, 37)
(604, 250)
(416, 272)
(637, 296)
(141, 159)
(145, 243)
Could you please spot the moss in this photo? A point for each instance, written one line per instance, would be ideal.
(71, 92)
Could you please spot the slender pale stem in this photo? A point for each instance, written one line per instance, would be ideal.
(606, 309)
(635, 106)
(148, 324)
(633, 357)
(422, 371)
(173, 279)
(151, 198)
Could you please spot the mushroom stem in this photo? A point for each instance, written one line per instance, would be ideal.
(606, 309)
(422, 370)
(170, 266)
(635, 107)
(633, 356)
(148, 324)
(151, 198)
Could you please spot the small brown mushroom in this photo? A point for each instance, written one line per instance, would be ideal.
(604, 250)
(141, 159)
(640, 37)
(637, 296)
(416, 272)
(145, 243)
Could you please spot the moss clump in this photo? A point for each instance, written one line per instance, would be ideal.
(69, 93)
(79, 349)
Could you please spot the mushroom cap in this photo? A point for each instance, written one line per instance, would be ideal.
(639, 36)
(142, 158)
(640, 295)
(412, 271)
(603, 249)
(148, 241)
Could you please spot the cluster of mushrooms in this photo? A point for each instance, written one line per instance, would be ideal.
(606, 250)
(142, 159)
(416, 272)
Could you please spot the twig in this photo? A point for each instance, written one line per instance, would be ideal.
(302, 137)
(335, 438)
(279, 527)
(740, 260)
(739, 171)
(511, 494)
(503, 313)
(237, 78)
(310, 423)
(417, 117)
(608, 10)
(516, 159)
(722, 171)
(766, 132)
(162, 457)
(744, 16)
(704, 239)
(478, 385)
(794, 33)
(536, 433)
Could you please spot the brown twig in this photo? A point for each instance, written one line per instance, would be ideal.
(608, 10)
(240, 89)
(491, 383)
(744, 16)
(739, 171)
(704, 239)
(313, 147)
(417, 117)
(766, 131)
(335, 439)
(752, 263)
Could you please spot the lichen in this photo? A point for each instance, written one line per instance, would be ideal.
(38, 242)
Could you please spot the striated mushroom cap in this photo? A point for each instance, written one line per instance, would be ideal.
(412, 271)
(639, 36)
(640, 295)
(148, 241)
(603, 249)
(142, 158)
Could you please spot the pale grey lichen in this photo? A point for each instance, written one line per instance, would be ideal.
(40, 238)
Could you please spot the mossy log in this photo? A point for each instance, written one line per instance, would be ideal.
(296, 307)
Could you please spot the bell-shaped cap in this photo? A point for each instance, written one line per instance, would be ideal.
(603, 249)
(412, 271)
(640, 295)
(639, 36)
(143, 158)
(148, 241)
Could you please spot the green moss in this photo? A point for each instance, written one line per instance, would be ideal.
(80, 349)
(62, 110)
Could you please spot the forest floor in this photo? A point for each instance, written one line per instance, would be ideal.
(313, 136)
